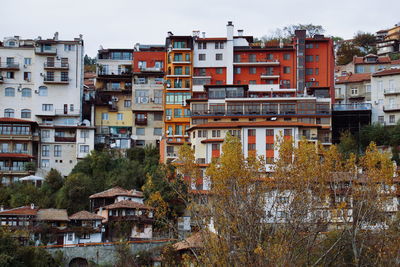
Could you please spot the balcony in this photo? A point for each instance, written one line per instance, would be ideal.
(392, 91)
(269, 75)
(45, 51)
(175, 61)
(351, 107)
(142, 122)
(56, 66)
(69, 139)
(56, 79)
(68, 112)
(339, 96)
(153, 69)
(114, 72)
(15, 151)
(1, 79)
(15, 169)
(9, 66)
(391, 108)
(256, 62)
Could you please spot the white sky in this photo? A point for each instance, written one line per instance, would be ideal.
(122, 23)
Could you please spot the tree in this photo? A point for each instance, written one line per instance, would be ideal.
(286, 33)
(366, 41)
(348, 144)
(52, 184)
(346, 52)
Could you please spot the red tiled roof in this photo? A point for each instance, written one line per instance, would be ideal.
(193, 241)
(52, 215)
(117, 191)
(354, 78)
(5, 119)
(127, 204)
(15, 155)
(24, 210)
(85, 215)
(252, 124)
(396, 62)
(89, 75)
(380, 60)
(387, 72)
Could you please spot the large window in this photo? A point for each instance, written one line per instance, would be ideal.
(84, 149)
(25, 113)
(157, 131)
(139, 131)
(141, 96)
(42, 91)
(104, 116)
(26, 92)
(178, 113)
(47, 107)
(177, 98)
(9, 91)
(9, 113)
(45, 150)
(202, 57)
(57, 150)
(179, 44)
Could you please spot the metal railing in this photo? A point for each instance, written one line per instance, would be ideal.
(354, 106)
(67, 112)
(61, 65)
(18, 168)
(56, 79)
(9, 65)
(391, 107)
(42, 50)
(392, 91)
(15, 151)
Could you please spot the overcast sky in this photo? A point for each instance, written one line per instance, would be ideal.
(122, 23)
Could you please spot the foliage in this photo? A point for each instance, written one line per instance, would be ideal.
(346, 52)
(286, 33)
(348, 144)
(366, 41)
(124, 255)
(30, 166)
(15, 255)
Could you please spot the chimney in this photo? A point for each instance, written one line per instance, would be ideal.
(229, 30)
(196, 33)
(203, 34)
(240, 32)
(32, 206)
(170, 34)
(137, 47)
(55, 36)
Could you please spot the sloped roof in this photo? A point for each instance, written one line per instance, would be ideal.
(353, 78)
(117, 191)
(379, 60)
(52, 215)
(15, 155)
(15, 120)
(193, 241)
(85, 215)
(24, 210)
(387, 72)
(253, 124)
(127, 204)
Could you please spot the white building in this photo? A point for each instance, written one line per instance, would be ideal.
(89, 223)
(385, 96)
(42, 80)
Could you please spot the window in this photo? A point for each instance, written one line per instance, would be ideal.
(157, 116)
(251, 147)
(104, 116)
(142, 64)
(252, 70)
(316, 71)
(9, 91)
(27, 76)
(42, 91)
(286, 69)
(127, 103)
(64, 76)
(84, 134)
(202, 45)
(286, 57)
(45, 163)
(219, 45)
(57, 150)
(178, 71)
(45, 133)
(84, 149)
(157, 131)
(269, 132)
(368, 88)
(269, 146)
(392, 119)
(216, 133)
(317, 58)
(45, 150)
(236, 70)
(178, 130)
(251, 132)
(187, 70)
(26, 92)
(9, 113)
(359, 69)
(354, 91)
(27, 61)
(139, 131)
(69, 47)
(25, 113)
(10, 75)
(177, 113)
(381, 119)
(202, 57)
(219, 70)
(47, 107)
(236, 58)
(120, 116)
(309, 46)
(215, 147)
(218, 56)
(309, 71)
(287, 132)
(309, 58)
(141, 96)
(168, 112)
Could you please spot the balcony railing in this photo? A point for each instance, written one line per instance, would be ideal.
(64, 139)
(391, 108)
(15, 169)
(66, 112)
(141, 121)
(56, 65)
(9, 66)
(56, 79)
(392, 91)
(15, 151)
(41, 50)
(249, 61)
(153, 69)
(119, 72)
(354, 106)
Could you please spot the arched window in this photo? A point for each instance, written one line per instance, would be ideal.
(9, 91)
(43, 91)
(9, 113)
(26, 113)
(26, 92)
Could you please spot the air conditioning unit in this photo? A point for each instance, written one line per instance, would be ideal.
(25, 66)
(313, 79)
(168, 118)
(144, 99)
(114, 98)
(184, 103)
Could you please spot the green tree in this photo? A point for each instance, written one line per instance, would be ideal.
(52, 184)
(346, 52)
(367, 42)
(348, 144)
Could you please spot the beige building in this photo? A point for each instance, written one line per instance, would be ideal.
(353, 88)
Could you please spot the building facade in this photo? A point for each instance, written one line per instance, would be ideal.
(42, 81)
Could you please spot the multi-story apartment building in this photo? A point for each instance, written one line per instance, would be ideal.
(178, 87)
(353, 88)
(385, 96)
(42, 80)
(259, 91)
(113, 103)
(147, 96)
(19, 141)
(389, 40)
(366, 64)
